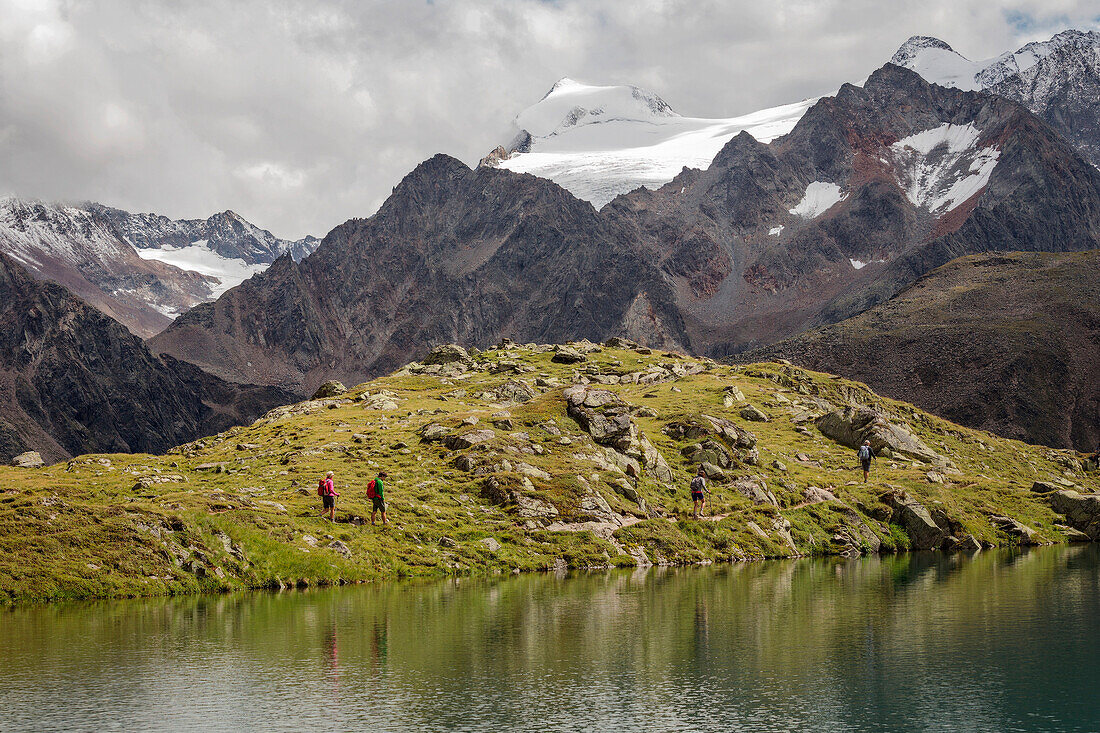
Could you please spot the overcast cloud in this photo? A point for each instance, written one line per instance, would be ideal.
(300, 115)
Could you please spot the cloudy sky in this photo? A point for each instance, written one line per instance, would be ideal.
(300, 115)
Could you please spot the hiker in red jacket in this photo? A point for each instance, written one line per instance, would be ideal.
(327, 491)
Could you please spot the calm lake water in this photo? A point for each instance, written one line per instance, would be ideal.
(1000, 641)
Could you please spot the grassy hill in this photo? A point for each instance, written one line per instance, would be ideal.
(494, 466)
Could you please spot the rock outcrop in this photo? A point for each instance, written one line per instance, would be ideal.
(1082, 511)
(853, 425)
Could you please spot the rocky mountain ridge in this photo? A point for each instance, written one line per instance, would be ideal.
(73, 381)
(140, 269)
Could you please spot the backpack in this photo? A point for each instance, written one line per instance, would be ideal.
(321, 487)
(697, 484)
(371, 489)
(864, 453)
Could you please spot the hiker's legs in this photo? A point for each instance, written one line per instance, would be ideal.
(384, 517)
(373, 515)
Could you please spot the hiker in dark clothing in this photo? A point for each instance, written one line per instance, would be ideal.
(327, 491)
(698, 492)
(865, 456)
(376, 493)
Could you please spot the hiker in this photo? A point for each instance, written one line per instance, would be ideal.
(376, 493)
(327, 491)
(698, 492)
(865, 455)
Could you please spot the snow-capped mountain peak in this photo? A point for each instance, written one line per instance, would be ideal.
(1057, 79)
(937, 62)
(602, 141)
(571, 103)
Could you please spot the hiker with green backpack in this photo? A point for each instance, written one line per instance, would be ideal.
(375, 492)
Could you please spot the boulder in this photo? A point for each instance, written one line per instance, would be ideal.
(340, 549)
(468, 439)
(1044, 487)
(434, 432)
(490, 544)
(753, 413)
(924, 533)
(448, 354)
(447, 542)
(515, 391)
(1082, 511)
(755, 489)
(713, 472)
(567, 355)
(853, 425)
(816, 495)
(595, 506)
(1023, 533)
(328, 390)
(30, 459)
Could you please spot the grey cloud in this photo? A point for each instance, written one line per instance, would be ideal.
(300, 115)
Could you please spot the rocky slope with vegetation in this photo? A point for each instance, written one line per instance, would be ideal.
(1003, 342)
(73, 381)
(535, 457)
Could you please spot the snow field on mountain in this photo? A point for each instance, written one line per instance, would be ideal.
(819, 198)
(599, 142)
(942, 167)
(199, 258)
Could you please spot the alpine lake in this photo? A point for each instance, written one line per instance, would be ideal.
(1002, 640)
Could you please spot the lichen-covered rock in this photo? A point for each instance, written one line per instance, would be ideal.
(603, 415)
(329, 389)
(515, 391)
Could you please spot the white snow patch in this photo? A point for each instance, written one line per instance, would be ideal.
(198, 257)
(775, 231)
(859, 264)
(943, 167)
(819, 197)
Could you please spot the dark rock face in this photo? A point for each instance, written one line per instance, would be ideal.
(1005, 342)
(715, 262)
(74, 381)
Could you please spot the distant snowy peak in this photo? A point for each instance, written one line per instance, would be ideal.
(1057, 79)
(940, 64)
(601, 141)
(570, 103)
(226, 233)
(141, 269)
